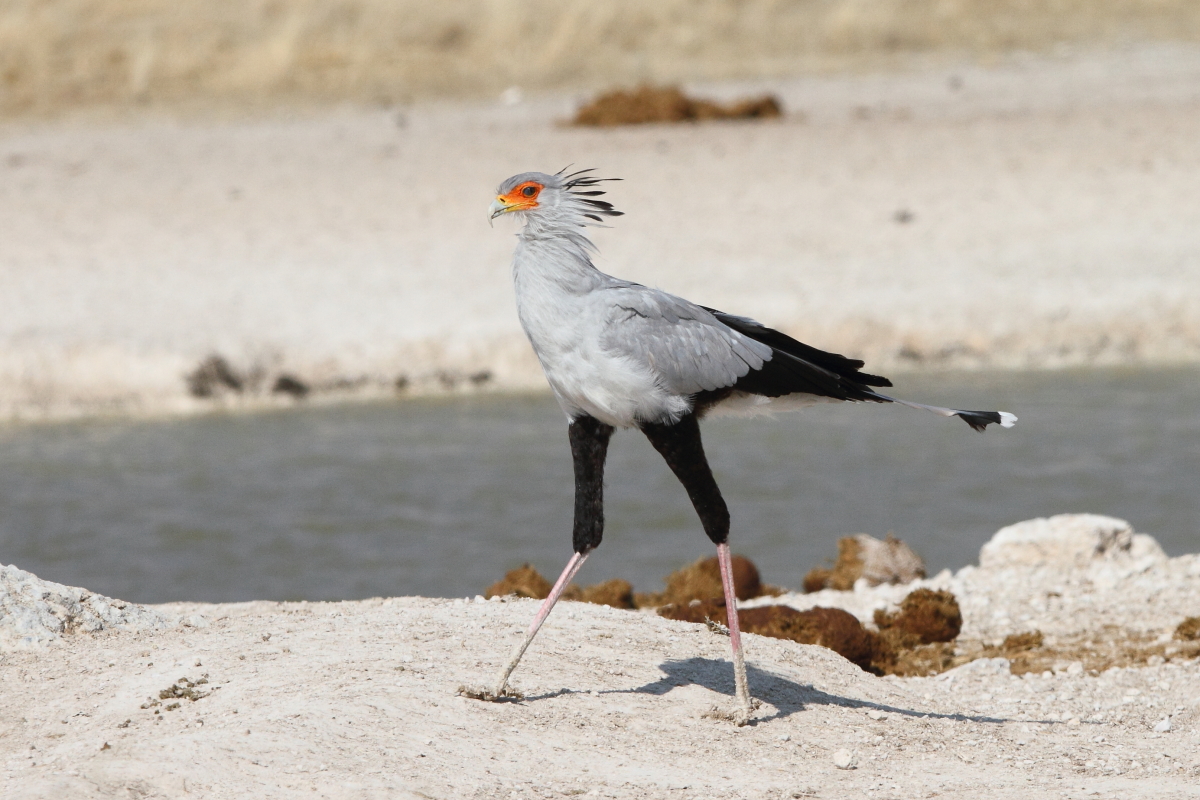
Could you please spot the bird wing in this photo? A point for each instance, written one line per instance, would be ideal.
(687, 348)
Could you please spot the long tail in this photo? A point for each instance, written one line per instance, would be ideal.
(976, 419)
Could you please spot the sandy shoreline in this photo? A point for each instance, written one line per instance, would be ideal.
(1053, 222)
(359, 699)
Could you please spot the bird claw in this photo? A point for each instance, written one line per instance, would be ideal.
(716, 627)
(506, 693)
(739, 716)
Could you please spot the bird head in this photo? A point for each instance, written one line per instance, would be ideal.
(550, 199)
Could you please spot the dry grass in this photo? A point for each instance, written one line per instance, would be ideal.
(72, 53)
(648, 104)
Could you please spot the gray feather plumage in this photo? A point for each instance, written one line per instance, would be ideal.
(685, 345)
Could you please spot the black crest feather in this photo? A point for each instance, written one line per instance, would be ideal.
(581, 179)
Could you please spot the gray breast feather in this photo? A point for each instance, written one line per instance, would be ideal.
(687, 348)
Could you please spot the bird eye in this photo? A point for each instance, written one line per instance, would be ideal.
(529, 191)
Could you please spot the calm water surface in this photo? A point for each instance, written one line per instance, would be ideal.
(440, 497)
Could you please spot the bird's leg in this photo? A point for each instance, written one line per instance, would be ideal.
(589, 449)
(680, 446)
(543, 611)
(735, 635)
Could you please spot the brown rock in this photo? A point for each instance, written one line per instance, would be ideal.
(1021, 642)
(616, 593)
(1188, 630)
(887, 560)
(834, 628)
(817, 579)
(697, 611)
(668, 104)
(702, 581)
(928, 615)
(838, 630)
(524, 581)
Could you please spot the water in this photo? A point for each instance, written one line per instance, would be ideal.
(440, 497)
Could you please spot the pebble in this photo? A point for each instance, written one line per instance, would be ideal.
(1163, 725)
(844, 759)
(876, 714)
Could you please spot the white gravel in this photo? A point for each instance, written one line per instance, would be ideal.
(359, 700)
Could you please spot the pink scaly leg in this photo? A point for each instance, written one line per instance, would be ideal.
(568, 574)
(742, 715)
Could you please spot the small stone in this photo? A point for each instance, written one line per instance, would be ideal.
(785, 738)
(876, 714)
(1073, 722)
(1075, 668)
(844, 759)
(1163, 725)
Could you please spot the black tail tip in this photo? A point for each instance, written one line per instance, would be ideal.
(979, 420)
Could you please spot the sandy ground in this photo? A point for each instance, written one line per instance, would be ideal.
(359, 700)
(56, 58)
(1036, 214)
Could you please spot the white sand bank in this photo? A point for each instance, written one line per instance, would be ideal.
(1052, 205)
(358, 700)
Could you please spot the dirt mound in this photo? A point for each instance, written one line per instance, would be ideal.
(668, 104)
(916, 640)
(616, 593)
(525, 581)
(1188, 630)
(212, 376)
(930, 616)
(834, 628)
(887, 560)
(702, 581)
(1021, 642)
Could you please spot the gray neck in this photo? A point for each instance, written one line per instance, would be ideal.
(559, 255)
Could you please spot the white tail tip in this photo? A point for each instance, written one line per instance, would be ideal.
(1007, 420)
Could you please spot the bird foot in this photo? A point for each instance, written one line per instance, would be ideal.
(739, 716)
(507, 693)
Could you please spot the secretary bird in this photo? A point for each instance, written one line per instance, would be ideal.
(621, 355)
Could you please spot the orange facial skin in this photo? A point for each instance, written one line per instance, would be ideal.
(522, 198)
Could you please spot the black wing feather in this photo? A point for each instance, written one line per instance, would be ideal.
(800, 368)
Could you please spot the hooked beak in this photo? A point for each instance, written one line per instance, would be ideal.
(499, 206)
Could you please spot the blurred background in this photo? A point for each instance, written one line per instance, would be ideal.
(258, 341)
(59, 56)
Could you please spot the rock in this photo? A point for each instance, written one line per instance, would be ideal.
(212, 376)
(290, 385)
(833, 628)
(668, 104)
(1021, 642)
(929, 615)
(1188, 630)
(844, 759)
(1070, 541)
(34, 612)
(1163, 725)
(863, 556)
(702, 581)
(524, 581)
(616, 593)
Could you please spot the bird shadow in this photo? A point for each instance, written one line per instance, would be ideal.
(785, 695)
